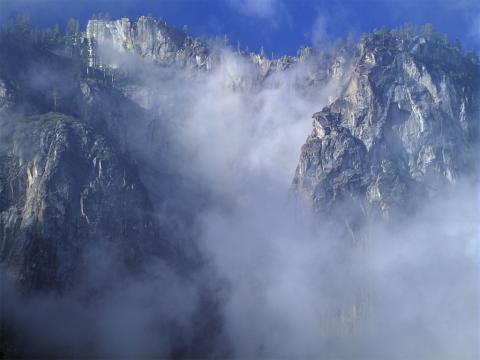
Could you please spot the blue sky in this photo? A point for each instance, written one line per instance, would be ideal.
(281, 26)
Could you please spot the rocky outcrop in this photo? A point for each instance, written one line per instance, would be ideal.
(407, 120)
(148, 38)
(107, 45)
(65, 190)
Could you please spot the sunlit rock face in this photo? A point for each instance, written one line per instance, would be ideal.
(147, 37)
(408, 116)
(108, 43)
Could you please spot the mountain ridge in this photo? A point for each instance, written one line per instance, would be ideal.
(98, 171)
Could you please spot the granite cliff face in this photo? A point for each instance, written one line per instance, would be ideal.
(74, 182)
(148, 38)
(67, 185)
(405, 118)
(75, 212)
(105, 42)
(87, 162)
(64, 191)
(406, 122)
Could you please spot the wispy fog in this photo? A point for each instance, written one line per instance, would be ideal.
(280, 282)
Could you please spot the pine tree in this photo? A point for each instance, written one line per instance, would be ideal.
(55, 98)
(428, 30)
(73, 34)
(22, 24)
(73, 27)
(57, 36)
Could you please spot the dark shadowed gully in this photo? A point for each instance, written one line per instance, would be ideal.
(147, 208)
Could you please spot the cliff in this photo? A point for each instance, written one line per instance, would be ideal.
(148, 38)
(65, 190)
(405, 123)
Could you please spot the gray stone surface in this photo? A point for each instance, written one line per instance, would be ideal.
(147, 37)
(64, 190)
(407, 119)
